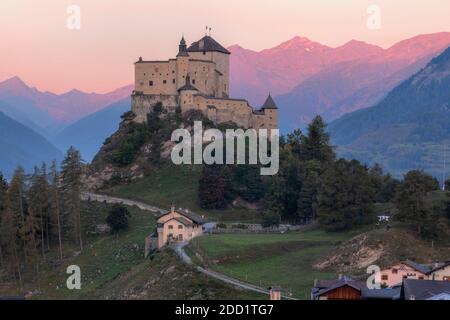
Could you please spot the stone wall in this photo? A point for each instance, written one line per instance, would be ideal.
(142, 104)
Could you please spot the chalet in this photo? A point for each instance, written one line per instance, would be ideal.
(440, 271)
(344, 288)
(178, 225)
(404, 270)
(413, 289)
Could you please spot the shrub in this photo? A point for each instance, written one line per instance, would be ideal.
(117, 218)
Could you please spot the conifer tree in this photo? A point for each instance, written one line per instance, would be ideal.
(18, 206)
(55, 200)
(71, 171)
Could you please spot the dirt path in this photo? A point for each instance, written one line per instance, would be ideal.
(179, 248)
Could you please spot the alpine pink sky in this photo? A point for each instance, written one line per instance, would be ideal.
(38, 47)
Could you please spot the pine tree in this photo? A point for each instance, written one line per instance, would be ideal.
(346, 198)
(410, 199)
(3, 208)
(55, 200)
(316, 144)
(39, 206)
(71, 171)
(18, 206)
(211, 189)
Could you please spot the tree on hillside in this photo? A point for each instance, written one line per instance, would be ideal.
(19, 207)
(55, 200)
(410, 199)
(316, 144)
(384, 185)
(345, 198)
(211, 189)
(39, 207)
(3, 207)
(447, 184)
(71, 171)
(117, 218)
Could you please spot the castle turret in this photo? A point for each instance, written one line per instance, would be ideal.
(182, 48)
(187, 93)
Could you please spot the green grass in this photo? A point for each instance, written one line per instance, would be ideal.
(179, 185)
(270, 259)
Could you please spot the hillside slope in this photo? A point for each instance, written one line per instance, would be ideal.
(408, 129)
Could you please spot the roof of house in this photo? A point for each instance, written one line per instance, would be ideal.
(440, 266)
(388, 294)
(184, 221)
(417, 266)
(324, 286)
(269, 103)
(424, 289)
(188, 214)
(207, 43)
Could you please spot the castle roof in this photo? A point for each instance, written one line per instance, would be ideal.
(188, 85)
(207, 43)
(269, 103)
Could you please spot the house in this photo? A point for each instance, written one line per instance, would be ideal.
(343, 288)
(347, 288)
(413, 289)
(178, 225)
(440, 271)
(403, 270)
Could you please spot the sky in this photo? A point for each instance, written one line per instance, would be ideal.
(37, 45)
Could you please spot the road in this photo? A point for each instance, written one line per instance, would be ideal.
(179, 247)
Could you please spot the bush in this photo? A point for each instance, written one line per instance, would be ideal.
(117, 218)
(271, 219)
(221, 225)
(239, 226)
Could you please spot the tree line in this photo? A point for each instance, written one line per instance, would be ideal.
(38, 212)
(313, 185)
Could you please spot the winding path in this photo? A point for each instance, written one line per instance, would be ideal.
(179, 247)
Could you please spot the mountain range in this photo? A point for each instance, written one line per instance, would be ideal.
(48, 112)
(306, 78)
(309, 78)
(21, 145)
(408, 129)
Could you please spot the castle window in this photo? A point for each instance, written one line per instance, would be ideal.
(173, 81)
(180, 227)
(150, 83)
(193, 81)
(204, 53)
(170, 227)
(164, 81)
(173, 71)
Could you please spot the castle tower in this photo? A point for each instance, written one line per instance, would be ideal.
(182, 63)
(209, 49)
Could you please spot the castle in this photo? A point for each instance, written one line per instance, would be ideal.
(197, 79)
